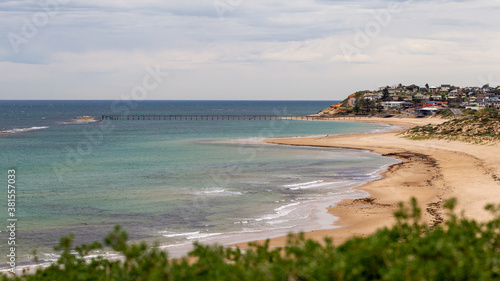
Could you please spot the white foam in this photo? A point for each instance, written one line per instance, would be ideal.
(51, 257)
(217, 192)
(213, 191)
(201, 235)
(14, 131)
(302, 214)
(185, 234)
(318, 183)
(188, 235)
(286, 206)
(303, 184)
(280, 212)
(273, 222)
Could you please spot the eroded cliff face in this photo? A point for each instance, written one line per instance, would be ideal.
(338, 107)
(332, 110)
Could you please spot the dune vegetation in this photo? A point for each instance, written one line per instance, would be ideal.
(458, 249)
(480, 127)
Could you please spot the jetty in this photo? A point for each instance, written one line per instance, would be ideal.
(221, 117)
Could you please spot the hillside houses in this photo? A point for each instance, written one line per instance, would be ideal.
(430, 98)
(374, 96)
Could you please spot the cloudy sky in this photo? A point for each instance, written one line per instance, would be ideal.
(242, 49)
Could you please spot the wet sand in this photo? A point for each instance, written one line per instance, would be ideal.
(431, 171)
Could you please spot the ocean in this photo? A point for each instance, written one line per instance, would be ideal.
(171, 181)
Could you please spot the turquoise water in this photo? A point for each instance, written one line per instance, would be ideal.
(172, 181)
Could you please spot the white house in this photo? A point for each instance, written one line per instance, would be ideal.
(396, 104)
(372, 96)
(454, 93)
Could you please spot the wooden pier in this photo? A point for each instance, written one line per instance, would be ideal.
(200, 117)
(222, 117)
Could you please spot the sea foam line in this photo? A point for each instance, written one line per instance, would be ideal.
(217, 192)
(189, 235)
(280, 212)
(307, 185)
(303, 184)
(15, 131)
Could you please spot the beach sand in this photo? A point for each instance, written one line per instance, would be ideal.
(431, 171)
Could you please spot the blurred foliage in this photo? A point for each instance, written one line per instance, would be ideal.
(460, 249)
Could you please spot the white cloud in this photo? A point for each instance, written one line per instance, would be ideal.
(257, 48)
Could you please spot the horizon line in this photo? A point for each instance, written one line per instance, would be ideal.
(150, 100)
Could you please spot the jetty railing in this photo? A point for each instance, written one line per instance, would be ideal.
(220, 117)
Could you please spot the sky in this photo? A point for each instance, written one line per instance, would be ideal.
(242, 49)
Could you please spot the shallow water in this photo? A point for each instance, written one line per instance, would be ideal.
(173, 181)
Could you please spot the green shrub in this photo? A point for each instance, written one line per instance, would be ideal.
(446, 113)
(483, 127)
(461, 249)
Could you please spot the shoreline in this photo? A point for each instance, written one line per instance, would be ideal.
(426, 172)
(431, 170)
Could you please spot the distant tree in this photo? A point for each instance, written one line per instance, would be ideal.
(385, 94)
(411, 87)
(497, 91)
(370, 106)
(427, 86)
(356, 107)
(379, 106)
(365, 106)
(362, 105)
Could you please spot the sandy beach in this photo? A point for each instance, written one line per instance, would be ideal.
(431, 170)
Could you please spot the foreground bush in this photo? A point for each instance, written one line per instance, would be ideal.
(461, 249)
